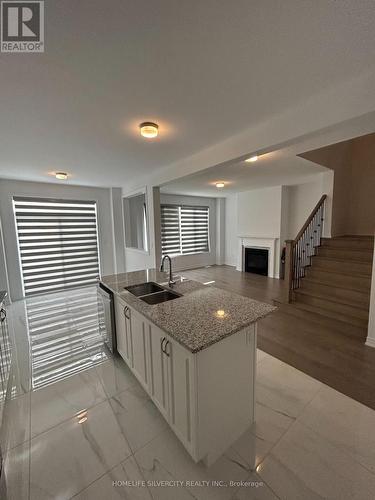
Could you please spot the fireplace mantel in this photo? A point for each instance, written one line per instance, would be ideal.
(269, 243)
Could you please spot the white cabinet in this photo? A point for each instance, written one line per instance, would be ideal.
(138, 327)
(206, 397)
(158, 386)
(122, 330)
(181, 380)
(131, 331)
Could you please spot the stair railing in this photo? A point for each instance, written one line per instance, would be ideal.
(298, 252)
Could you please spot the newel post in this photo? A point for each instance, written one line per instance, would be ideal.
(289, 247)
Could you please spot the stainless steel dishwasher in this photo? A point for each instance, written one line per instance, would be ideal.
(107, 324)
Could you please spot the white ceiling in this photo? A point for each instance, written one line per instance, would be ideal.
(204, 70)
(272, 169)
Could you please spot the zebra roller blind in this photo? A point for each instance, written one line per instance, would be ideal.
(184, 229)
(58, 243)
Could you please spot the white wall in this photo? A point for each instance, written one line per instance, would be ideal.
(259, 216)
(200, 259)
(284, 223)
(231, 231)
(277, 212)
(220, 231)
(302, 198)
(259, 213)
(11, 188)
(118, 230)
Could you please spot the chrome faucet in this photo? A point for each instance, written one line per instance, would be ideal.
(171, 281)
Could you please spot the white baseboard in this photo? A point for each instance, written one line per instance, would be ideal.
(370, 342)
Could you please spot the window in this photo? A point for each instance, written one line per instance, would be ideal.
(184, 229)
(58, 243)
(135, 222)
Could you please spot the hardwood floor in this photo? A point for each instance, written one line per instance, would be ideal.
(341, 362)
(251, 285)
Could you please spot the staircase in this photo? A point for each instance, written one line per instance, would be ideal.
(328, 280)
(336, 286)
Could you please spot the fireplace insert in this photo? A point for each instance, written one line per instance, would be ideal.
(256, 261)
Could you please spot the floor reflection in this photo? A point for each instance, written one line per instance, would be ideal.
(64, 334)
(5, 355)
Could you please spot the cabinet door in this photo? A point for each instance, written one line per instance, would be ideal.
(121, 333)
(138, 346)
(181, 389)
(158, 385)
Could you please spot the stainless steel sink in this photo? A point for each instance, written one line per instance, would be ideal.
(152, 293)
(159, 297)
(144, 288)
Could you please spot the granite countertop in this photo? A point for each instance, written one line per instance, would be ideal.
(202, 316)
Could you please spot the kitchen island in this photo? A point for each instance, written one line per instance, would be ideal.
(195, 356)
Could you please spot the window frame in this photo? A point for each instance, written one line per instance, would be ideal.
(131, 194)
(49, 288)
(180, 207)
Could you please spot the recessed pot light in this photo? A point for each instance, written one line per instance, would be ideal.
(62, 176)
(252, 159)
(149, 129)
(220, 184)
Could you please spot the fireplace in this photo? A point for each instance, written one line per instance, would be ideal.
(270, 244)
(256, 261)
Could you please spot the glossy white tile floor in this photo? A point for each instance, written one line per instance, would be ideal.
(94, 434)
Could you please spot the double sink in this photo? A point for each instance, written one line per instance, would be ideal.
(152, 293)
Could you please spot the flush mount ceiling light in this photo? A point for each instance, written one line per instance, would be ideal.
(220, 185)
(252, 159)
(82, 416)
(62, 176)
(149, 129)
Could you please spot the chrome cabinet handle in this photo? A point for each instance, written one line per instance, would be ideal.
(3, 315)
(167, 352)
(162, 344)
(126, 309)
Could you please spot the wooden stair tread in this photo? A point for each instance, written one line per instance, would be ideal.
(308, 279)
(338, 273)
(335, 300)
(362, 239)
(359, 246)
(355, 255)
(353, 315)
(339, 259)
(353, 237)
(317, 260)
